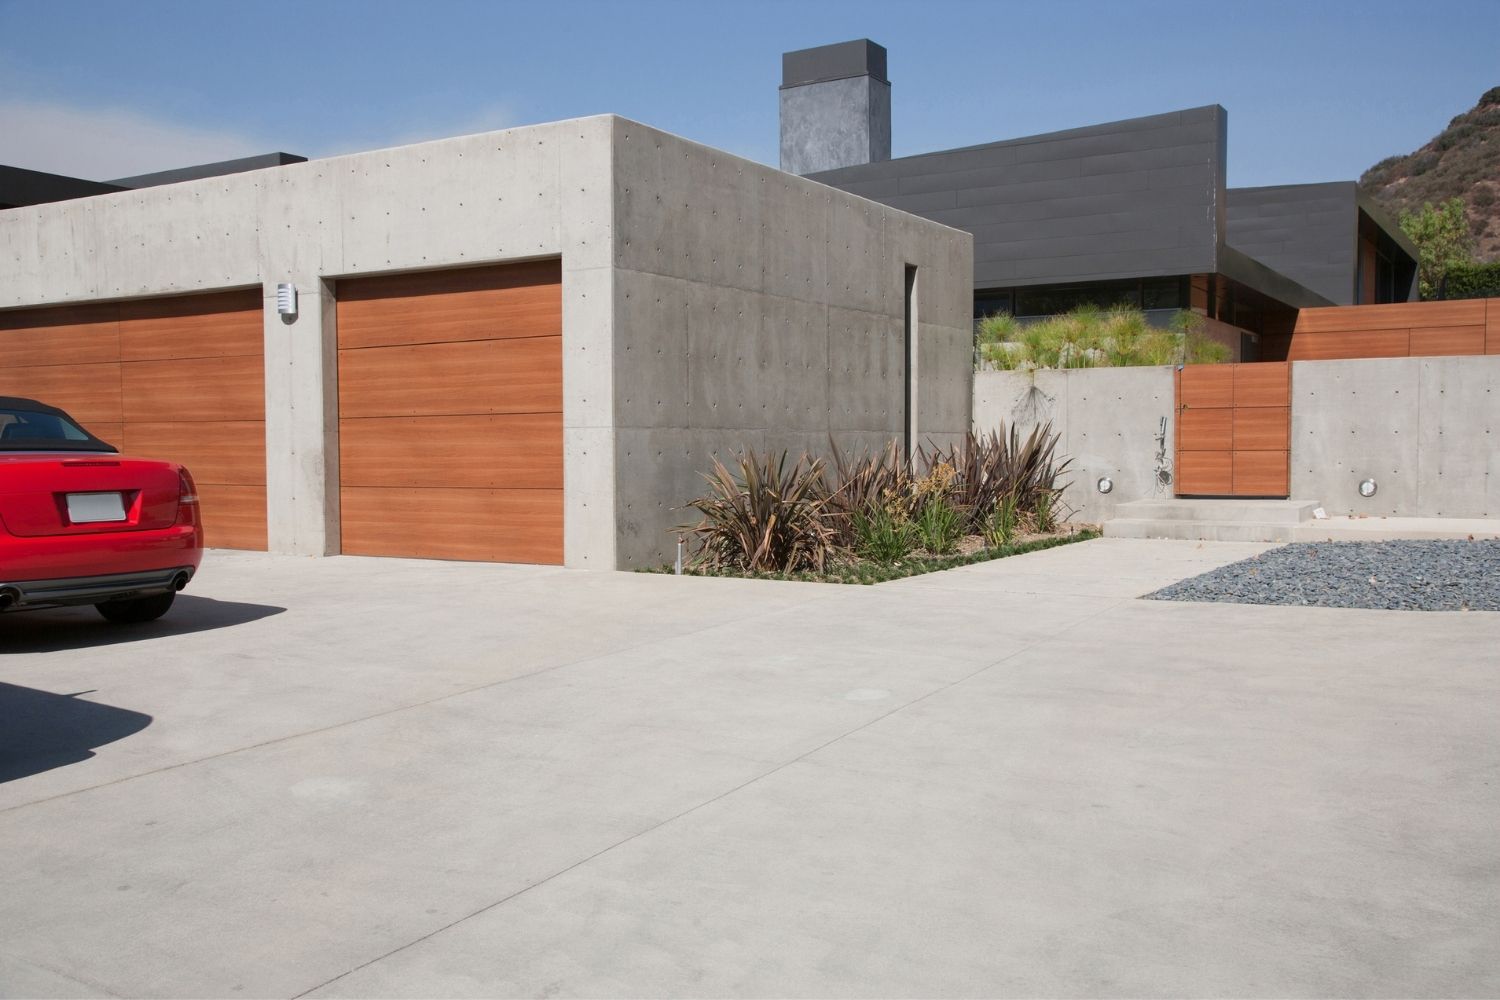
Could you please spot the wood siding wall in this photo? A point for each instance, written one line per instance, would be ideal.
(450, 414)
(179, 378)
(1397, 330)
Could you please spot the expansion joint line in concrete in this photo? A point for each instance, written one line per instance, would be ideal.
(705, 803)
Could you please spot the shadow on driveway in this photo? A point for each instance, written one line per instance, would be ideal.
(82, 628)
(43, 730)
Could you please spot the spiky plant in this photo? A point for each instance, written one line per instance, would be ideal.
(939, 526)
(1000, 528)
(864, 482)
(999, 464)
(882, 536)
(765, 517)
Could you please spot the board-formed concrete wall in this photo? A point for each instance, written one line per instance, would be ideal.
(708, 303)
(756, 309)
(1427, 430)
(1107, 420)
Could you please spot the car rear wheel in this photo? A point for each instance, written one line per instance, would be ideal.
(137, 610)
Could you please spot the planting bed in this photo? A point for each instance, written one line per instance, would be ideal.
(1399, 575)
(971, 551)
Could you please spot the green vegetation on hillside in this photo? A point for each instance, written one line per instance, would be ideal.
(1443, 242)
(1462, 161)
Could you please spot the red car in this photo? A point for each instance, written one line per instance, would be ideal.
(80, 524)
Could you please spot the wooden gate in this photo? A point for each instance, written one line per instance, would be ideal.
(1234, 429)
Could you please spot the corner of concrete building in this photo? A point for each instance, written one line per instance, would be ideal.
(587, 226)
(757, 309)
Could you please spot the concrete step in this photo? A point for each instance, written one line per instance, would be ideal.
(1225, 510)
(1199, 530)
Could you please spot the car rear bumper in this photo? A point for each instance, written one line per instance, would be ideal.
(20, 595)
(113, 553)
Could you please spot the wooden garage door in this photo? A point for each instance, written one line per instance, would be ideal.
(179, 378)
(450, 414)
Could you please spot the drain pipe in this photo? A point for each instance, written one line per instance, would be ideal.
(679, 555)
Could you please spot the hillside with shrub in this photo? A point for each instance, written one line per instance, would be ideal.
(1462, 161)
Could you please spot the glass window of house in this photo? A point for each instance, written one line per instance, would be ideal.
(1162, 293)
(991, 304)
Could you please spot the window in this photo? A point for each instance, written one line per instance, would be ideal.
(1163, 293)
(1049, 300)
(1385, 278)
(991, 304)
(34, 430)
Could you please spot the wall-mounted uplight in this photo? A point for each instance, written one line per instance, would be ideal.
(1367, 488)
(286, 299)
(1105, 484)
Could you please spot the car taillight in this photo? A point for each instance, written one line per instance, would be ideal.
(187, 498)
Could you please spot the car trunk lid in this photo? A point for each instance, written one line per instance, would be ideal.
(35, 490)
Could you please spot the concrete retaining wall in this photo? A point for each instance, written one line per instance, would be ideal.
(1107, 419)
(1427, 430)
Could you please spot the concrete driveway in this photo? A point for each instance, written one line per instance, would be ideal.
(356, 777)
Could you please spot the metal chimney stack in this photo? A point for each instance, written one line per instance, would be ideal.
(835, 107)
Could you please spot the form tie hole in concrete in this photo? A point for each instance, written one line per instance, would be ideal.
(867, 694)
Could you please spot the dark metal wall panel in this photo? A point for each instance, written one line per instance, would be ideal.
(20, 187)
(1135, 198)
(1308, 232)
(203, 170)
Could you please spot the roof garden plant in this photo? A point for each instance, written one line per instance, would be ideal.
(1092, 337)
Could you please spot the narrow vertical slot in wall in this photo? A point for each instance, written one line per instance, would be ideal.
(909, 399)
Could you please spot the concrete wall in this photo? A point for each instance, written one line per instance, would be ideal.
(758, 309)
(1107, 419)
(1427, 430)
(1127, 199)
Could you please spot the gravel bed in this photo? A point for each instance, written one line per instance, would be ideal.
(1402, 575)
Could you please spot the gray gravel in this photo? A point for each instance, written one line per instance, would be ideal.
(1405, 575)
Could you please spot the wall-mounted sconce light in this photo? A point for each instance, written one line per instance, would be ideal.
(1105, 484)
(1367, 488)
(286, 299)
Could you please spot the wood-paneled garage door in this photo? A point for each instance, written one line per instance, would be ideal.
(450, 414)
(179, 378)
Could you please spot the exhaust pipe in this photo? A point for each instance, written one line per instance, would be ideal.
(180, 580)
(9, 596)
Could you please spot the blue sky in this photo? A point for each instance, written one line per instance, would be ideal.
(1315, 90)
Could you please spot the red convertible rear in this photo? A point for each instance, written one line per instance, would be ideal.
(81, 524)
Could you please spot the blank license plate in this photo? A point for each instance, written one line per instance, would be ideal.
(91, 508)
